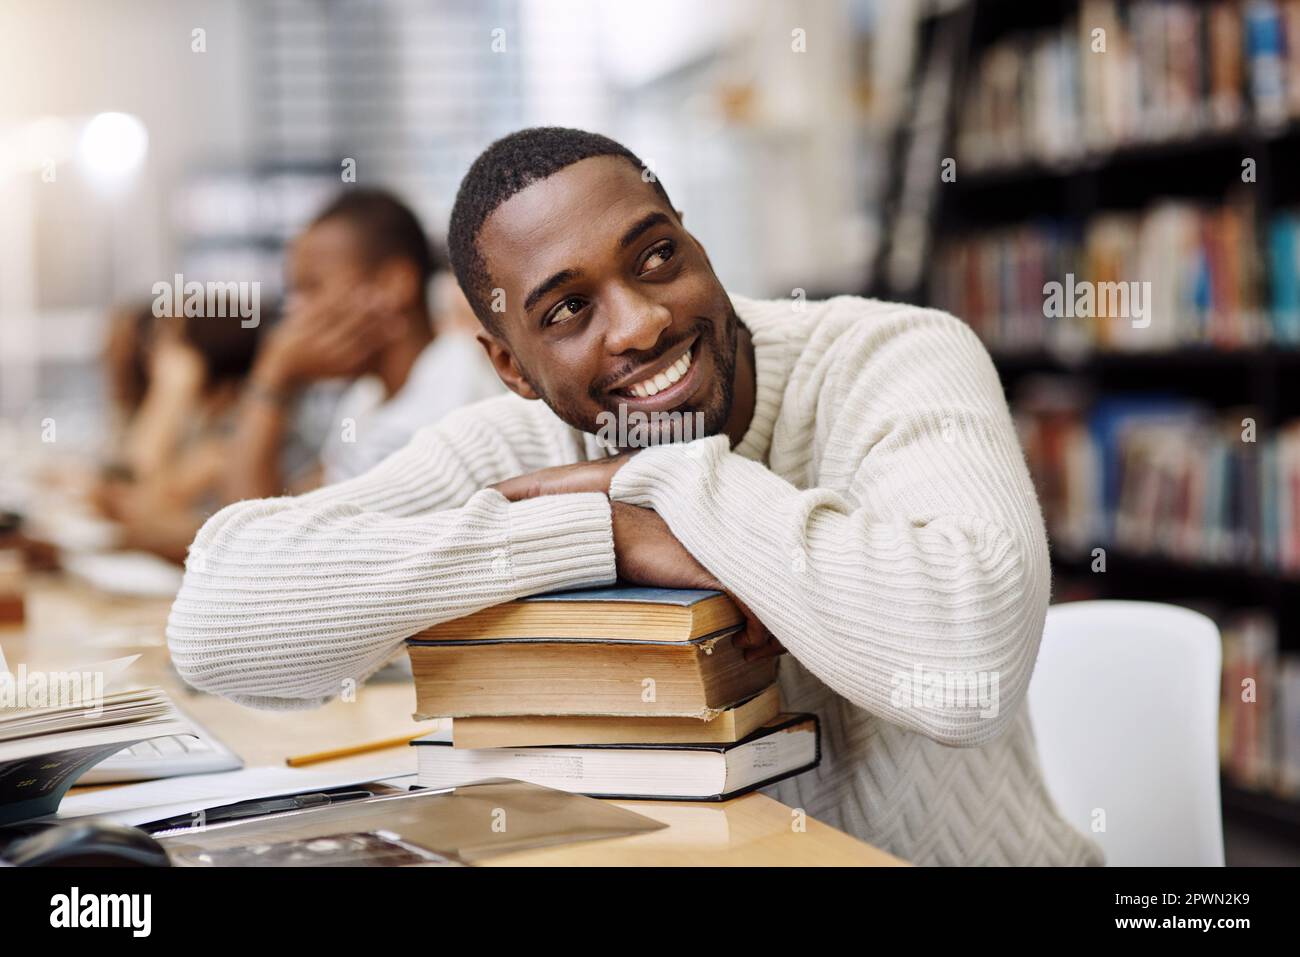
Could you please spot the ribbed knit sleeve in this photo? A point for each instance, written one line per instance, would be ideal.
(288, 602)
(915, 548)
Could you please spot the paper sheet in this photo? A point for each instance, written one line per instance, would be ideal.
(135, 804)
(134, 574)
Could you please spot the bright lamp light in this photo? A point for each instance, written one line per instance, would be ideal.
(112, 146)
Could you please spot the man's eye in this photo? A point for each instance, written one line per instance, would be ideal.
(564, 310)
(660, 255)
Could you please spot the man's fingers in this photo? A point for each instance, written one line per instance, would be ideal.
(511, 488)
(755, 633)
(557, 480)
(756, 640)
(529, 485)
(769, 650)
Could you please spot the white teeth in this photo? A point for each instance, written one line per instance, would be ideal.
(660, 381)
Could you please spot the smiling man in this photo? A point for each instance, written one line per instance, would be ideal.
(860, 491)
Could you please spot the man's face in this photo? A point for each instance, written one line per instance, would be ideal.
(609, 301)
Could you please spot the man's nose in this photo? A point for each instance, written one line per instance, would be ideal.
(636, 323)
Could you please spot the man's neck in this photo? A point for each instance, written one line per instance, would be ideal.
(744, 389)
(393, 365)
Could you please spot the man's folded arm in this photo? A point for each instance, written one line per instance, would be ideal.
(934, 567)
(287, 602)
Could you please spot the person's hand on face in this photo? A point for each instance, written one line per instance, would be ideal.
(648, 553)
(335, 339)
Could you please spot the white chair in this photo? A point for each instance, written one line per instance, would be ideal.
(1125, 706)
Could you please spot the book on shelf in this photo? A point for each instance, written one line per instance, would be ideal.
(1167, 477)
(1259, 712)
(731, 725)
(709, 771)
(1288, 715)
(1284, 271)
(1125, 74)
(1177, 274)
(1266, 54)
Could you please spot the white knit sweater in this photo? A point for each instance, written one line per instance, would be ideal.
(877, 516)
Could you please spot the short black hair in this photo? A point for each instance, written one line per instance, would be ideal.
(388, 229)
(503, 169)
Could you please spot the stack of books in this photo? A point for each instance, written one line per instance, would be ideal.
(611, 692)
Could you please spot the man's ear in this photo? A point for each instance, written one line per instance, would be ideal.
(503, 361)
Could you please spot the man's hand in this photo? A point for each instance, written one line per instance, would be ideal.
(592, 476)
(648, 553)
(645, 549)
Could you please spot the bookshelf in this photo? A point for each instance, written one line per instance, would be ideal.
(1037, 161)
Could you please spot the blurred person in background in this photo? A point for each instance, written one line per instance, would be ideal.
(360, 280)
(174, 384)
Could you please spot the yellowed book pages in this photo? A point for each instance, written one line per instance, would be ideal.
(731, 725)
(473, 678)
(603, 620)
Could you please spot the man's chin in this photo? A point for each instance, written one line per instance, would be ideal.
(626, 428)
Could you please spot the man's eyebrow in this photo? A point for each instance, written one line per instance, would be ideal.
(559, 279)
(647, 221)
(644, 223)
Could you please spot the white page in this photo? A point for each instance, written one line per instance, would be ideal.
(59, 672)
(153, 800)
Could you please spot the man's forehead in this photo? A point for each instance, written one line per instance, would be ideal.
(580, 211)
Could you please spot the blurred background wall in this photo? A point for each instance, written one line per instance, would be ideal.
(230, 137)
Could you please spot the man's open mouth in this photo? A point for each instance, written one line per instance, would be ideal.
(664, 376)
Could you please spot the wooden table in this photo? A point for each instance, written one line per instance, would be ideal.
(73, 620)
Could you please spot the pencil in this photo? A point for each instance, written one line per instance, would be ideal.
(316, 757)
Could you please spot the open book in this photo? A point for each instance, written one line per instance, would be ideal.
(56, 724)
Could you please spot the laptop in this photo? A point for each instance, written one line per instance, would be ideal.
(169, 757)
